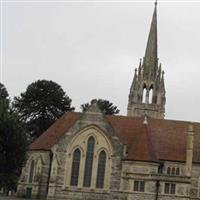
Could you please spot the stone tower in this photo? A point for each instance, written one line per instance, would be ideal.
(147, 92)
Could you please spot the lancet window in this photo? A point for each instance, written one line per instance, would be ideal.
(101, 170)
(89, 162)
(75, 167)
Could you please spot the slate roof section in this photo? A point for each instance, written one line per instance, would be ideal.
(160, 139)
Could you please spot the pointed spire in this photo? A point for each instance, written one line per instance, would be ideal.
(151, 49)
(134, 80)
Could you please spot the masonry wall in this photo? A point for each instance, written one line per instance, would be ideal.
(40, 177)
(96, 126)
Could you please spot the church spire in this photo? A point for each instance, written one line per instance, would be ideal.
(147, 93)
(151, 48)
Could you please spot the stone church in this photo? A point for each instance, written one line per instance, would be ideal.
(141, 156)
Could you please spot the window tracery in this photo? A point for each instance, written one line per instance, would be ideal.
(94, 163)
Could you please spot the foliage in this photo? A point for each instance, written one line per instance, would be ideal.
(40, 105)
(3, 92)
(13, 145)
(106, 106)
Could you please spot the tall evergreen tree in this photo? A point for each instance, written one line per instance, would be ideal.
(13, 143)
(41, 105)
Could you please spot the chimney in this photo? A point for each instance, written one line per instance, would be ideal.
(189, 150)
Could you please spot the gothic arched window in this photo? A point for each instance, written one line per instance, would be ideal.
(89, 162)
(31, 173)
(177, 171)
(75, 167)
(101, 169)
(144, 93)
(151, 95)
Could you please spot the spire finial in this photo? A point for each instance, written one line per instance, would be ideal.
(156, 2)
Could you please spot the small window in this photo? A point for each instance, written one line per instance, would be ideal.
(139, 186)
(177, 171)
(173, 171)
(168, 171)
(170, 188)
(173, 188)
(166, 188)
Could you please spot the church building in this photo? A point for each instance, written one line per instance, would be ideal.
(141, 156)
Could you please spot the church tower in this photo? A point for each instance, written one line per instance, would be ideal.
(147, 92)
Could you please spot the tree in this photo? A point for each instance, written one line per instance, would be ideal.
(3, 92)
(106, 106)
(13, 143)
(41, 105)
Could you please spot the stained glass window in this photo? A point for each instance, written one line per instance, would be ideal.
(75, 167)
(89, 162)
(101, 170)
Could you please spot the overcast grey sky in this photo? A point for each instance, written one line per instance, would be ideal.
(92, 48)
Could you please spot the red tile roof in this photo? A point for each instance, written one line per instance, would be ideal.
(159, 140)
(54, 132)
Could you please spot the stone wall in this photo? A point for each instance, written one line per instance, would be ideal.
(91, 123)
(40, 176)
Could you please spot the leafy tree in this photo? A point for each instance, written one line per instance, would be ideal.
(106, 106)
(40, 105)
(3, 92)
(13, 144)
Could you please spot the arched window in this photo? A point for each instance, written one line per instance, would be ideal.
(168, 170)
(75, 167)
(151, 95)
(144, 94)
(89, 162)
(177, 171)
(31, 173)
(173, 171)
(101, 170)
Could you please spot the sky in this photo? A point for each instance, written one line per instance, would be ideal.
(91, 49)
